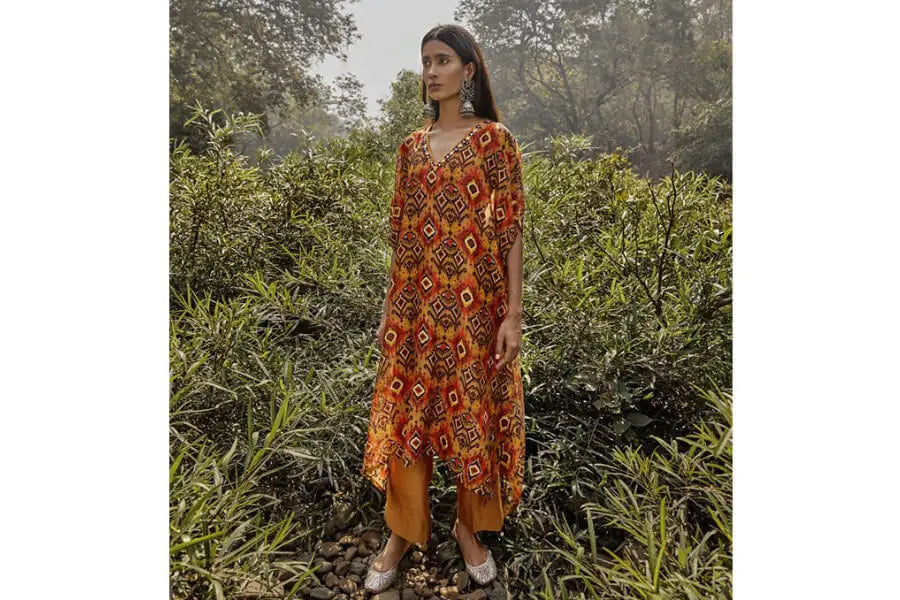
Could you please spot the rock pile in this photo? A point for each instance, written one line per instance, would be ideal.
(340, 569)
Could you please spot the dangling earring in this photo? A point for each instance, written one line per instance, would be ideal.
(428, 112)
(467, 95)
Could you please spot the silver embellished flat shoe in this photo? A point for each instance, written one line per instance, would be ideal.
(378, 581)
(483, 573)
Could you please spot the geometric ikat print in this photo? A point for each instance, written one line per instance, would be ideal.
(437, 388)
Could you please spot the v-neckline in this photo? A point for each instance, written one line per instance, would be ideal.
(453, 148)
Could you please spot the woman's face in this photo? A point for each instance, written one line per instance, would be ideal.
(442, 70)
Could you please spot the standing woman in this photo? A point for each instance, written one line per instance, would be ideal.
(449, 383)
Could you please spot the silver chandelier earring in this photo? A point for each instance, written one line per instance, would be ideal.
(428, 111)
(467, 95)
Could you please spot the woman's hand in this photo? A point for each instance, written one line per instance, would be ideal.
(509, 339)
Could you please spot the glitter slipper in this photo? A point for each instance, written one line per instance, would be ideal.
(483, 573)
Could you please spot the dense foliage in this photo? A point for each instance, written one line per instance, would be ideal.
(277, 279)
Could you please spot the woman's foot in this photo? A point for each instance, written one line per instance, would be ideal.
(383, 570)
(480, 563)
(473, 551)
(394, 550)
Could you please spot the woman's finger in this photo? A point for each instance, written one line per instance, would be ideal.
(510, 353)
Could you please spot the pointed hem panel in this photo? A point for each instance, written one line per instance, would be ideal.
(375, 469)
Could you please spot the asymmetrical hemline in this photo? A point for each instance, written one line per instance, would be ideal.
(438, 390)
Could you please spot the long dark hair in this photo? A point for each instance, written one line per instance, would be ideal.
(464, 44)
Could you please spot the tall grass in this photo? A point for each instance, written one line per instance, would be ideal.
(669, 511)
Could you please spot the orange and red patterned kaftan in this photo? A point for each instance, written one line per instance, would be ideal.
(437, 390)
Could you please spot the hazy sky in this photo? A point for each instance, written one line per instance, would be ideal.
(391, 31)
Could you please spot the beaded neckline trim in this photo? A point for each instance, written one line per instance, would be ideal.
(463, 142)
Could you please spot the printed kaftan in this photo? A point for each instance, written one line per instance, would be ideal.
(438, 390)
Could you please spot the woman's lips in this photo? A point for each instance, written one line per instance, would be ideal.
(433, 85)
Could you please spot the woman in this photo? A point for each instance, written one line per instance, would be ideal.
(449, 382)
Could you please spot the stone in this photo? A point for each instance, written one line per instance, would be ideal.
(391, 594)
(324, 567)
(371, 538)
(461, 580)
(351, 552)
(342, 514)
(330, 549)
(341, 568)
(424, 591)
(348, 585)
(497, 592)
(331, 580)
(320, 593)
(451, 592)
(446, 555)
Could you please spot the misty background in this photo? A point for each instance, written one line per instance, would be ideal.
(650, 79)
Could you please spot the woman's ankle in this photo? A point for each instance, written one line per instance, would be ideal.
(399, 547)
(467, 540)
(463, 528)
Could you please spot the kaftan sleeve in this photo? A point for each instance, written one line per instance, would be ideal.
(401, 173)
(509, 195)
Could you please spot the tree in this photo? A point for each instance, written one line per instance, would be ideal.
(251, 56)
(627, 73)
(555, 64)
(401, 113)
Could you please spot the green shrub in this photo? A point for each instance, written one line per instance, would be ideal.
(628, 292)
(668, 512)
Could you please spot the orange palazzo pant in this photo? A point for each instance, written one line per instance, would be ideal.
(407, 508)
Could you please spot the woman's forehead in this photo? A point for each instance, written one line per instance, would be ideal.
(436, 48)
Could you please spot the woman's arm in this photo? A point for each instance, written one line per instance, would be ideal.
(509, 334)
(386, 307)
(514, 278)
(394, 216)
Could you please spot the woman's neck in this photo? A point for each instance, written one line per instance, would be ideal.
(449, 118)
